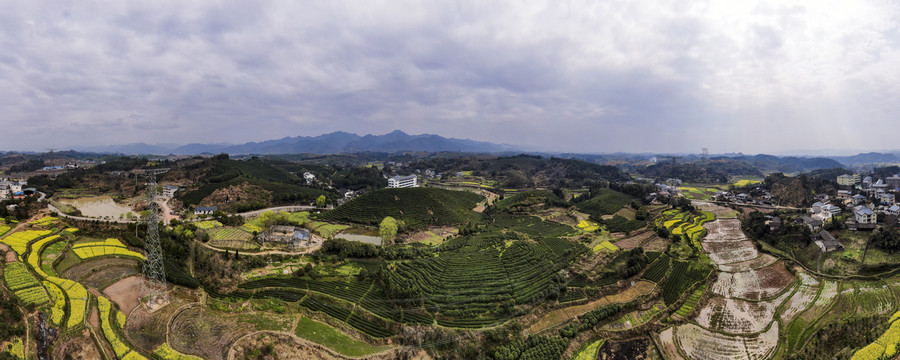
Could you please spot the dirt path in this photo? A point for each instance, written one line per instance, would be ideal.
(268, 252)
(559, 316)
(232, 352)
(166, 211)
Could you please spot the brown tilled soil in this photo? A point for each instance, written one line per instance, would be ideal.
(10, 256)
(205, 333)
(442, 231)
(104, 276)
(148, 331)
(77, 347)
(228, 199)
(94, 317)
(278, 346)
(86, 268)
(269, 345)
(126, 293)
(635, 349)
(635, 240)
(656, 244)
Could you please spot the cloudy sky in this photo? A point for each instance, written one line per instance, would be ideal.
(587, 76)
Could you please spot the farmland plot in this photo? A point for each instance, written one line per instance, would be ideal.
(827, 294)
(874, 298)
(737, 316)
(701, 344)
(753, 284)
(801, 300)
(760, 262)
(667, 344)
(724, 230)
(727, 252)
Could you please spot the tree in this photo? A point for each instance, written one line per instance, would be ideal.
(388, 229)
(320, 202)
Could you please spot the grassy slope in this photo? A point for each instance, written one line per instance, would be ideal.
(225, 173)
(607, 202)
(330, 337)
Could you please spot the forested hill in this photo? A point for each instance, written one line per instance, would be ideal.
(720, 169)
(240, 185)
(527, 171)
(713, 171)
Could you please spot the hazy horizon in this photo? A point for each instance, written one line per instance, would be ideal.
(769, 77)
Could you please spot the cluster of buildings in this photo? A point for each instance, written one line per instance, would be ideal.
(68, 166)
(280, 234)
(15, 189)
(760, 196)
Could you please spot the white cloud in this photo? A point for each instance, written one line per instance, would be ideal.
(753, 76)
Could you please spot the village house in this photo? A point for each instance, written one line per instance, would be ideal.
(843, 194)
(893, 182)
(774, 224)
(282, 234)
(831, 209)
(817, 207)
(826, 242)
(309, 177)
(169, 191)
(814, 223)
(893, 210)
(864, 218)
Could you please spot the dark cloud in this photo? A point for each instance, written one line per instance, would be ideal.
(763, 76)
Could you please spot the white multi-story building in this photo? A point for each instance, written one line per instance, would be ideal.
(864, 215)
(848, 180)
(403, 181)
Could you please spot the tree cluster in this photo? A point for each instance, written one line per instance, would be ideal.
(350, 249)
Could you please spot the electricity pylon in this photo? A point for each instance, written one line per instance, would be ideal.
(153, 288)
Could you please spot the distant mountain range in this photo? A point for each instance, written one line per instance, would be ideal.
(333, 143)
(867, 158)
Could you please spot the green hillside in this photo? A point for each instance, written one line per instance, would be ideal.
(220, 172)
(415, 206)
(605, 202)
(528, 198)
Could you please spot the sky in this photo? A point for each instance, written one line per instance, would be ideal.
(577, 76)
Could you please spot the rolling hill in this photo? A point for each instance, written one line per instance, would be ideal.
(416, 207)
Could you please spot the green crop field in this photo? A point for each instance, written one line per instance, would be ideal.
(607, 202)
(332, 338)
(528, 198)
(691, 302)
(229, 233)
(469, 282)
(417, 207)
(658, 269)
(689, 274)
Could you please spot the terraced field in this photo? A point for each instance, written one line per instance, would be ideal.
(739, 320)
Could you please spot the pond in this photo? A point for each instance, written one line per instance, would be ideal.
(374, 240)
(98, 206)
